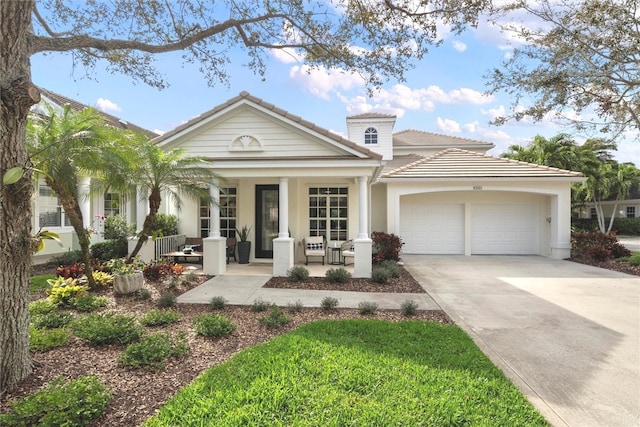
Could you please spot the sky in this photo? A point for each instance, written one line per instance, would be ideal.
(445, 93)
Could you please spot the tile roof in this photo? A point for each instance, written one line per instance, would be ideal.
(277, 111)
(418, 138)
(457, 163)
(112, 120)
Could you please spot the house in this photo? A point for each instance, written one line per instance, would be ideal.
(627, 208)
(288, 178)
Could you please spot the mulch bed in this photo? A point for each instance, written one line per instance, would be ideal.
(622, 267)
(403, 284)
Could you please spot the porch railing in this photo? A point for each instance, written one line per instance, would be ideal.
(167, 244)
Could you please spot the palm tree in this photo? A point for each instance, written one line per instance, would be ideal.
(64, 146)
(159, 172)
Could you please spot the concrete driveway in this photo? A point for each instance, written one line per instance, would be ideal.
(568, 335)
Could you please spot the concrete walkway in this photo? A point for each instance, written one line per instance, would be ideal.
(567, 334)
(246, 289)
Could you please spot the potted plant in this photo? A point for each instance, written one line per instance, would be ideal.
(127, 277)
(244, 245)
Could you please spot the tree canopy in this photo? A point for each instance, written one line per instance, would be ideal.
(579, 64)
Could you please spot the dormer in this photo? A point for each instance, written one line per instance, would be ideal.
(373, 131)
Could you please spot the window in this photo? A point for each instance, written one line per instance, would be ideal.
(51, 213)
(328, 213)
(594, 214)
(371, 136)
(228, 211)
(631, 211)
(111, 204)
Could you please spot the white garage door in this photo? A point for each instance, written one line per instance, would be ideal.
(504, 229)
(431, 229)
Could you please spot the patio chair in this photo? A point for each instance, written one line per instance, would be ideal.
(347, 251)
(314, 246)
(231, 249)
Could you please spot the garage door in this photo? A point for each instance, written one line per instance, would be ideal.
(431, 229)
(504, 229)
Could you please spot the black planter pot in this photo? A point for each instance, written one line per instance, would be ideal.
(244, 251)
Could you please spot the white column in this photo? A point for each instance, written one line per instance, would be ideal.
(362, 245)
(560, 224)
(84, 187)
(283, 208)
(142, 208)
(214, 211)
(363, 206)
(214, 247)
(283, 246)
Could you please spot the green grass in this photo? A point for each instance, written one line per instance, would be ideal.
(356, 373)
(37, 283)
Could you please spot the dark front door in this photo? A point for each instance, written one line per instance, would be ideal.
(266, 219)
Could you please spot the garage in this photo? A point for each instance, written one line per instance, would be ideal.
(432, 228)
(504, 229)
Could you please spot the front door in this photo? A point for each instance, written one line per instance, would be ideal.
(266, 219)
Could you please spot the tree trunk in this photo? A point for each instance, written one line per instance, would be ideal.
(147, 229)
(17, 94)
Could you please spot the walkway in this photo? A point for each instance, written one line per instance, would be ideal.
(242, 285)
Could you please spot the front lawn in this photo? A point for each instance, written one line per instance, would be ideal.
(354, 372)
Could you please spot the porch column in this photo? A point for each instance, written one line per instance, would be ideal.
(84, 187)
(142, 208)
(560, 224)
(214, 247)
(283, 245)
(362, 245)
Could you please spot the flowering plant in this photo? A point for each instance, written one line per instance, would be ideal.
(121, 267)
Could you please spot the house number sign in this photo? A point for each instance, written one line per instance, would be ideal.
(477, 187)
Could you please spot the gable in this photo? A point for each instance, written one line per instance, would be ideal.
(248, 128)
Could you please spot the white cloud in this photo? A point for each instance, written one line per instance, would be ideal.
(494, 113)
(286, 55)
(106, 105)
(448, 125)
(322, 82)
(459, 46)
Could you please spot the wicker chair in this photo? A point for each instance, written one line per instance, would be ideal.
(314, 246)
(347, 251)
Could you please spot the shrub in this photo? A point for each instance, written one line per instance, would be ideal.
(74, 271)
(107, 328)
(155, 317)
(329, 303)
(635, 259)
(109, 249)
(386, 246)
(392, 267)
(297, 274)
(337, 275)
(116, 228)
(213, 325)
(143, 294)
(295, 307)
(409, 307)
(259, 305)
(380, 275)
(71, 404)
(153, 351)
(87, 303)
(41, 306)
(217, 303)
(596, 245)
(167, 300)
(275, 318)
(190, 276)
(599, 253)
(160, 270)
(46, 339)
(367, 307)
(102, 278)
(166, 225)
(52, 320)
(63, 290)
(67, 258)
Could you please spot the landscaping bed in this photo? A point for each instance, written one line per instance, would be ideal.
(138, 393)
